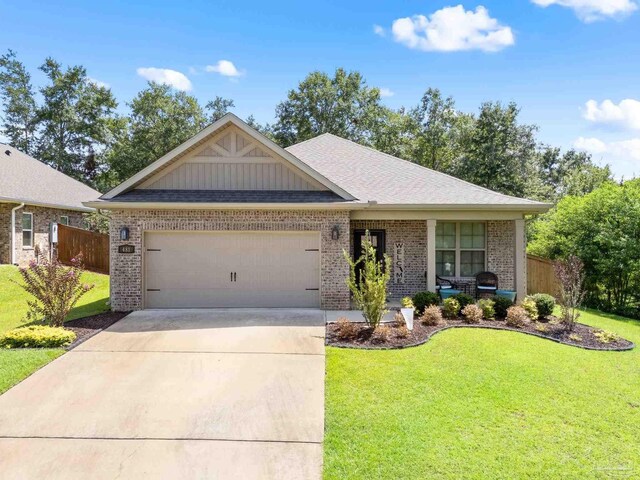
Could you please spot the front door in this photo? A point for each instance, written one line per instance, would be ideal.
(378, 242)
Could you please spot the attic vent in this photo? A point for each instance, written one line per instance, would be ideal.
(7, 152)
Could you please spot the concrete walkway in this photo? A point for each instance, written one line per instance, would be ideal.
(175, 394)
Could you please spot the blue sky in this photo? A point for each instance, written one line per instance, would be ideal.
(550, 56)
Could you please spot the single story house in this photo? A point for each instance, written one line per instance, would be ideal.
(230, 219)
(32, 197)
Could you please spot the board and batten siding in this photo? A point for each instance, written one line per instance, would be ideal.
(232, 161)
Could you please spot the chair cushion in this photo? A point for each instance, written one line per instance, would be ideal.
(485, 287)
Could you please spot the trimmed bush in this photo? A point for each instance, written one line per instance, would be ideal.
(451, 307)
(486, 305)
(432, 316)
(346, 330)
(605, 336)
(381, 334)
(463, 299)
(529, 306)
(501, 305)
(544, 303)
(516, 316)
(472, 313)
(422, 300)
(37, 336)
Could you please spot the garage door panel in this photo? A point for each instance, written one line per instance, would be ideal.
(193, 269)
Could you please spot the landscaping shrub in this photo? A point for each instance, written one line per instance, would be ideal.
(56, 289)
(402, 331)
(529, 306)
(487, 307)
(422, 300)
(516, 317)
(463, 299)
(604, 336)
(472, 313)
(399, 320)
(432, 316)
(37, 336)
(541, 327)
(380, 334)
(545, 304)
(346, 330)
(407, 302)
(451, 307)
(501, 305)
(370, 290)
(570, 275)
(575, 337)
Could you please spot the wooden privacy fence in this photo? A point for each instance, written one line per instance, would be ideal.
(541, 277)
(93, 246)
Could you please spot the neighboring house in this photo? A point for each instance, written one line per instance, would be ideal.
(32, 196)
(230, 219)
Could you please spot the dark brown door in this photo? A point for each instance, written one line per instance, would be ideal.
(378, 242)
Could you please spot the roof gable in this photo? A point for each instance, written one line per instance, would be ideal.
(231, 160)
(223, 143)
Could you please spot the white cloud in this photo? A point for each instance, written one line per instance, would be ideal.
(453, 29)
(626, 113)
(623, 156)
(593, 10)
(386, 92)
(380, 31)
(174, 78)
(98, 83)
(225, 68)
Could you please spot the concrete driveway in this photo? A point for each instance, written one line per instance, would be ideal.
(175, 394)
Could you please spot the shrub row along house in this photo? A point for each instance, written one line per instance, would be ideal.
(32, 197)
(230, 219)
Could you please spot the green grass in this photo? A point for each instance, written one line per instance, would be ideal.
(485, 404)
(15, 365)
(13, 298)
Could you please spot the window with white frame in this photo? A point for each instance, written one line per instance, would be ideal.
(64, 220)
(27, 230)
(460, 248)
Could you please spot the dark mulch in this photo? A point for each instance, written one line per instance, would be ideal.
(399, 338)
(87, 327)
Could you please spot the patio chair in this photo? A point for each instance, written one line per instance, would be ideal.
(486, 284)
(443, 283)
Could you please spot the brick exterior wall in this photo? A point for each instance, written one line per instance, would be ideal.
(501, 244)
(413, 234)
(127, 272)
(42, 218)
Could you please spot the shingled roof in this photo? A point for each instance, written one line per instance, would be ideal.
(25, 179)
(373, 176)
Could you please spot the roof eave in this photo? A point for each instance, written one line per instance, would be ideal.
(115, 205)
(526, 208)
(57, 206)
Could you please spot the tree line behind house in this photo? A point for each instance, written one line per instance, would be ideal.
(72, 123)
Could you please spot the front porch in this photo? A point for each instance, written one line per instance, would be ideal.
(454, 246)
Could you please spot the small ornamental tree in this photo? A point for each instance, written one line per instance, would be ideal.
(570, 275)
(55, 289)
(368, 284)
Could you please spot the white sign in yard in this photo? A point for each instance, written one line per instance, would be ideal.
(398, 263)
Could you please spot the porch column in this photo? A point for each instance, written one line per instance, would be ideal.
(431, 255)
(520, 260)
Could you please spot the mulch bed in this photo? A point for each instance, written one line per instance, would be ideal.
(366, 339)
(87, 327)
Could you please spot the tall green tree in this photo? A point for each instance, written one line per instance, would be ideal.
(603, 229)
(74, 121)
(498, 151)
(343, 105)
(19, 119)
(160, 119)
(436, 123)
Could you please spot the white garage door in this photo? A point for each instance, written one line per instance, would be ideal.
(232, 269)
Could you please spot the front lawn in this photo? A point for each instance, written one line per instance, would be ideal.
(485, 404)
(15, 365)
